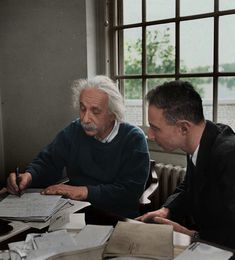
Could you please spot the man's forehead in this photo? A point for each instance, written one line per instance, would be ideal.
(93, 96)
(156, 116)
(93, 91)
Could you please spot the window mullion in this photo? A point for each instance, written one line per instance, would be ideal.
(216, 61)
(144, 65)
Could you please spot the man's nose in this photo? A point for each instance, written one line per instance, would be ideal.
(86, 117)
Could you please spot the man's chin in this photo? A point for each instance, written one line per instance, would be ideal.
(166, 149)
(90, 132)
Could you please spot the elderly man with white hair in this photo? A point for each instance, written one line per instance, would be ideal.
(106, 159)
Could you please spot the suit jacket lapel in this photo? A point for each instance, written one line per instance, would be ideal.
(203, 159)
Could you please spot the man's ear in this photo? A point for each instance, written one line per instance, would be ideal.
(184, 126)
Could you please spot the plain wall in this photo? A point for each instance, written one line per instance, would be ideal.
(43, 48)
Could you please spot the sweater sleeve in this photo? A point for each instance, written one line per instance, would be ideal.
(47, 167)
(130, 181)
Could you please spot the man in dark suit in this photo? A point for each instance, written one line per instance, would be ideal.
(207, 193)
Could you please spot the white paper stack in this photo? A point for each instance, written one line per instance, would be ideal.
(31, 206)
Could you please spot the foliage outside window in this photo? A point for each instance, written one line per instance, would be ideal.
(153, 41)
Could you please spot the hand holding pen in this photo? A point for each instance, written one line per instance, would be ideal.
(18, 180)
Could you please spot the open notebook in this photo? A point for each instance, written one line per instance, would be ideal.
(31, 206)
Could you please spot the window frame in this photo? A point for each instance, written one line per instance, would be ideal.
(116, 55)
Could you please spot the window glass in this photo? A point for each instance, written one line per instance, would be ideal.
(196, 45)
(192, 7)
(163, 47)
(160, 48)
(227, 44)
(226, 4)
(226, 101)
(132, 51)
(132, 11)
(159, 9)
(203, 85)
(152, 83)
(133, 101)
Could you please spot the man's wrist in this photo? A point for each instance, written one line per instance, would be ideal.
(166, 212)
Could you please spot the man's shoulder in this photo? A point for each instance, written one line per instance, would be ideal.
(128, 128)
(224, 141)
(225, 135)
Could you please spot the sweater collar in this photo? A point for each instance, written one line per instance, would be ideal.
(112, 134)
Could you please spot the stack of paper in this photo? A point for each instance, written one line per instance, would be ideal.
(68, 221)
(31, 206)
(140, 240)
(52, 244)
(198, 250)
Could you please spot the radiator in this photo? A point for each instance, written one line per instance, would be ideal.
(169, 176)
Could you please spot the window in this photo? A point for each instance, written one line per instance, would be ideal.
(153, 41)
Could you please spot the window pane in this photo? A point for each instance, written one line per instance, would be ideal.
(160, 48)
(133, 101)
(204, 86)
(152, 83)
(160, 9)
(227, 44)
(196, 46)
(132, 11)
(226, 101)
(191, 7)
(226, 4)
(132, 51)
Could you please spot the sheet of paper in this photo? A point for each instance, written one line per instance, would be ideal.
(92, 236)
(74, 206)
(145, 240)
(58, 240)
(67, 221)
(18, 227)
(4, 255)
(198, 250)
(49, 244)
(30, 206)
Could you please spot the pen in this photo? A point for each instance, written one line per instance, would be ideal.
(18, 179)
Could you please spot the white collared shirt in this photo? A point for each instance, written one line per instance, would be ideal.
(194, 155)
(112, 134)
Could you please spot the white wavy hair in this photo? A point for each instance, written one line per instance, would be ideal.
(105, 84)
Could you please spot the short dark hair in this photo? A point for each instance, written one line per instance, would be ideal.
(179, 100)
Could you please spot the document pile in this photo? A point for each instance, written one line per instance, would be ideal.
(61, 242)
(31, 206)
(199, 250)
(144, 241)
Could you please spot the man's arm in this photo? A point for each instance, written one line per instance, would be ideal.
(47, 168)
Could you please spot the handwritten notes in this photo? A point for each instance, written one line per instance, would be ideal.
(31, 206)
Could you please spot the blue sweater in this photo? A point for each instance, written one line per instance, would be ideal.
(115, 173)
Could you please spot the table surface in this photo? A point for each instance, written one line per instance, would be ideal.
(92, 216)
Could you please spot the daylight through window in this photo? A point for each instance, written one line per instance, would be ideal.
(153, 41)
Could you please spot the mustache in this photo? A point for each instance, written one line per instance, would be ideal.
(89, 127)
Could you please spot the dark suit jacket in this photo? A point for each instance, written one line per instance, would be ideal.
(208, 192)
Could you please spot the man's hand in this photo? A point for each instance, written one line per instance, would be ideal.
(176, 226)
(3, 190)
(72, 192)
(149, 217)
(25, 180)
